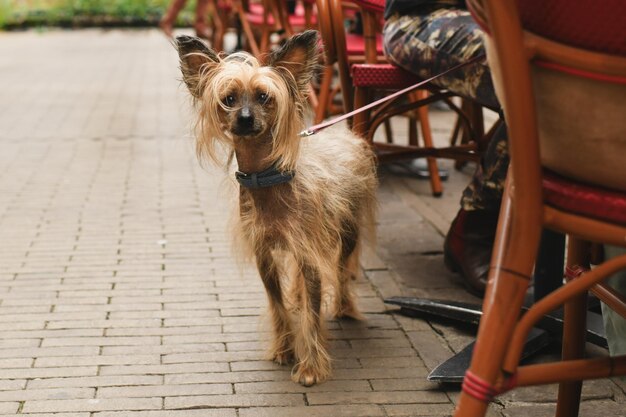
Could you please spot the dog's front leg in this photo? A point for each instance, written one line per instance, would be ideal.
(281, 350)
(348, 270)
(310, 342)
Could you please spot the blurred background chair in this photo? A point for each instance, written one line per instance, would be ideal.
(262, 19)
(365, 74)
(563, 92)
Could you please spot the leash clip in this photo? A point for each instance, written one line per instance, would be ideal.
(306, 133)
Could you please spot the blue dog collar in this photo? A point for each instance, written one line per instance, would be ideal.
(266, 178)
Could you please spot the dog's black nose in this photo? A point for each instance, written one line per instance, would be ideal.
(245, 118)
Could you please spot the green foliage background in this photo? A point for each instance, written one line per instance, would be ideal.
(71, 13)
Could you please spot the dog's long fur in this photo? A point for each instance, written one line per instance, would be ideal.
(319, 218)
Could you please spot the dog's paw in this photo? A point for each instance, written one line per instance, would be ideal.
(347, 310)
(350, 315)
(308, 376)
(283, 358)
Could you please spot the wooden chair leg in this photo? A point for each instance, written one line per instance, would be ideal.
(313, 98)
(433, 169)
(388, 131)
(360, 122)
(245, 25)
(513, 259)
(219, 27)
(574, 329)
(412, 120)
(475, 131)
(264, 47)
(324, 96)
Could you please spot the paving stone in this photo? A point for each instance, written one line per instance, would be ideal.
(227, 377)
(239, 400)
(9, 407)
(380, 373)
(216, 412)
(587, 409)
(592, 390)
(397, 362)
(377, 397)
(407, 384)
(268, 387)
(314, 411)
(213, 356)
(98, 360)
(164, 349)
(94, 404)
(431, 349)
(47, 394)
(163, 369)
(102, 341)
(12, 384)
(49, 415)
(97, 381)
(164, 390)
(410, 410)
(49, 372)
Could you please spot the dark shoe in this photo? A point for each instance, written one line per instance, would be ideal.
(468, 245)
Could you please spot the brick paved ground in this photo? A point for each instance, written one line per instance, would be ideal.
(119, 294)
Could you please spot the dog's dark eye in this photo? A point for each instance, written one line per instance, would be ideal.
(263, 98)
(229, 100)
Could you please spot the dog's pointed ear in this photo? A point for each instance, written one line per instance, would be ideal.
(195, 57)
(300, 56)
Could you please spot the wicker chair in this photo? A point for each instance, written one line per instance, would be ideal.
(562, 89)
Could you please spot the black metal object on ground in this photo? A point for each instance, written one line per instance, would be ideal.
(549, 328)
(453, 370)
(548, 277)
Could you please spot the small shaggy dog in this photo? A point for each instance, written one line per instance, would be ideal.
(303, 202)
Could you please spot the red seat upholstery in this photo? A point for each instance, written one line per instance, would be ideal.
(255, 16)
(602, 29)
(384, 76)
(582, 199)
(355, 44)
(560, 21)
(375, 6)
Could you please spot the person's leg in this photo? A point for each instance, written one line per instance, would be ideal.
(169, 18)
(201, 26)
(428, 43)
(469, 242)
(614, 324)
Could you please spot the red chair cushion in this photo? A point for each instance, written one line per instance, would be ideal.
(355, 44)
(385, 76)
(376, 6)
(587, 200)
(294, 20)
(224, 5)
(255, 16)
(588, 24)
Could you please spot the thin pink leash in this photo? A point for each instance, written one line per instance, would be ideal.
(316, 128)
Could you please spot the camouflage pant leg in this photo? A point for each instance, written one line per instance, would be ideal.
(428, 44)
(484, 192)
